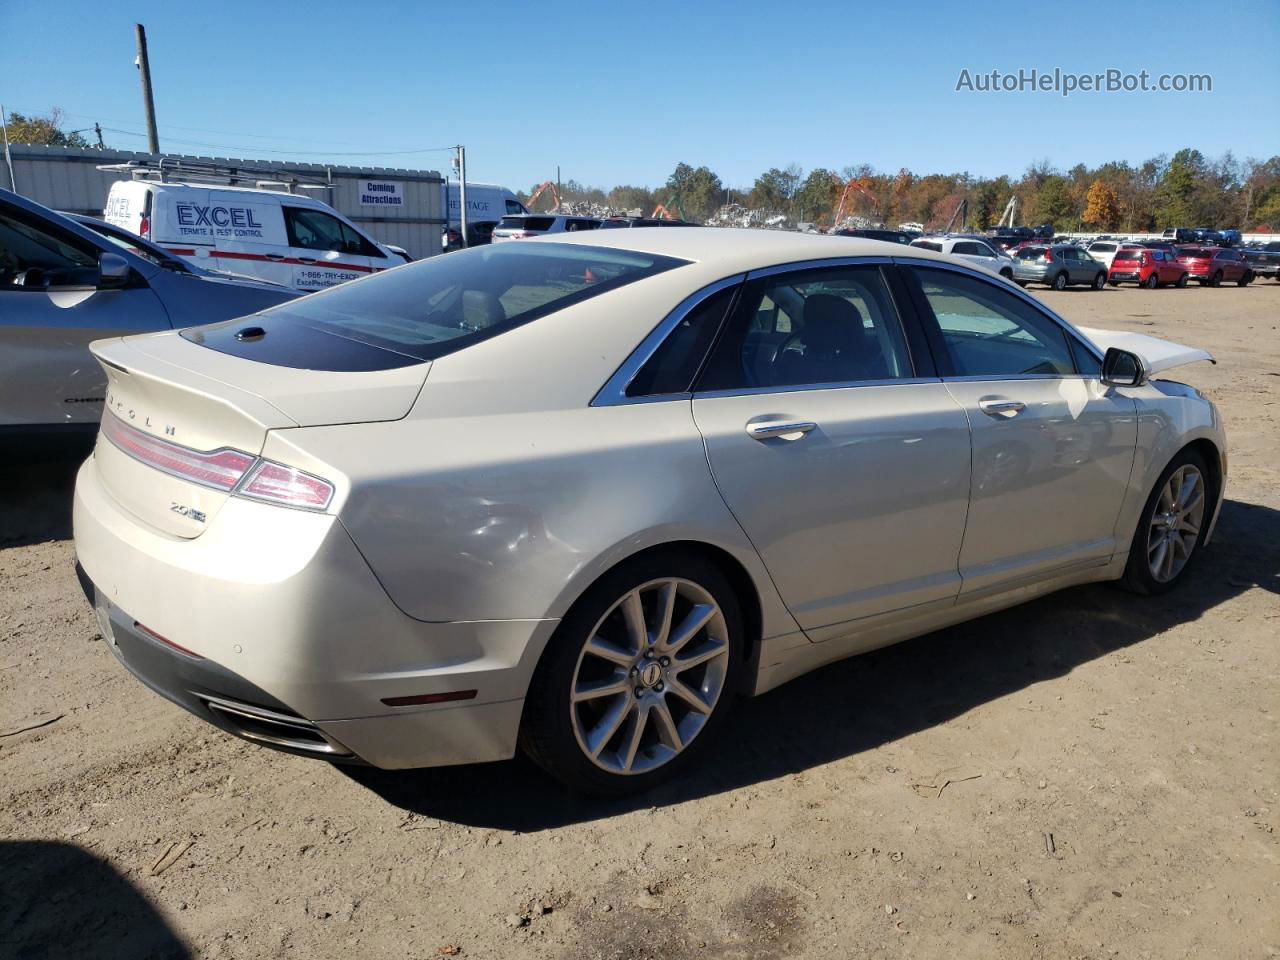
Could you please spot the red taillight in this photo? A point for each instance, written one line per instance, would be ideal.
(1048, 256)
(231, 471)
(220, 469)
(144, 228)
(276, 483)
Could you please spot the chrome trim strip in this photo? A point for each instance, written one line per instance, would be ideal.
(802, 265)
(233, 708)
(1008, 287)
(808, 387)
(614, 391)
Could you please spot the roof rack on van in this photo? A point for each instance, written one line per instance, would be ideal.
(168, 169)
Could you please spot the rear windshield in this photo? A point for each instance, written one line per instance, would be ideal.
(432, 307)
(1129, 255)
(1190, 252)
(526, 223)
(1102, 247)
(928, 245)
(1030, 253)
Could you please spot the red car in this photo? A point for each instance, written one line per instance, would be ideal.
(1146, 268)
(1213, 265)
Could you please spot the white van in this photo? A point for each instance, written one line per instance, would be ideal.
(486, 203)
(279, 237)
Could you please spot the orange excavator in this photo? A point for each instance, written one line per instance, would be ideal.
(538, 191)
(862, 187)
(668, 210)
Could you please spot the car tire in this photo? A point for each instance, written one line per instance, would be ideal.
(1021, 283)
(1182, 280)
(1146, 571)
(1152, 282)
(1216, 279)
(1099, 280)
(1060, 281)
(638, 743)
(1244, 279)
(1007, 274)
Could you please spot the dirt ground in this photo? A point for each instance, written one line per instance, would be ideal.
(1093, 775)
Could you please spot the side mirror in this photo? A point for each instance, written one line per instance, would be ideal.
(1120, 368)
(113, 271)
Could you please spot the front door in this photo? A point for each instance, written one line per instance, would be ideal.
(847, 466)
(324, 251)
(1052, 446)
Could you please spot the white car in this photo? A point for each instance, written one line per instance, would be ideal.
(527, 225)
(577, 494)
(972, 250)
(278, 237)
(1104, 251)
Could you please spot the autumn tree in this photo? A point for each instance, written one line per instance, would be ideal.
(1103, 206)
(46, 130)
(817, 196)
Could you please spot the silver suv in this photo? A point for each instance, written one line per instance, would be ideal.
(525, 225)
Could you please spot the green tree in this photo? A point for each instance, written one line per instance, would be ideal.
(986, 204)
(46, 130)
(1053, 203)
(774, 189)
(818, 195)
(632, 198)
(1174, 195)
(697, 191)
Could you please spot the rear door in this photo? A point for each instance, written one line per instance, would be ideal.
(845, 461)
(1052, 446)
(51, 308)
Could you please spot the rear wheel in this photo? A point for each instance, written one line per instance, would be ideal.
(1007, 273)
(1244, 279)
(1182, 280)
(1172, 526)
(1060, 281)
(1152, 282)
(1099, 280)
(1216, 279)
(638, 676)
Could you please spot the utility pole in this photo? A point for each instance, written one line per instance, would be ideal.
(97, 128)
(4, 125)
(558, 189)
(462, 193)
(148, 101)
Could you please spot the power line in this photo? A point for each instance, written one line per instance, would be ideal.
(292, 153)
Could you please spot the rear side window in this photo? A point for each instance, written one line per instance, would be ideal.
(433, 307)
(832, 325)
(675, 363)
(990, 332)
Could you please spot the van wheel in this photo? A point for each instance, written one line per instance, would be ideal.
(1060, 282)
(1171, 528)
(638, 678)
(1216, 279)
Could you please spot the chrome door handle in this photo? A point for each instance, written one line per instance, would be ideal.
(994, 408)
(778, 428)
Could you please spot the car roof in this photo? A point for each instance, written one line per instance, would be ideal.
(739, 249)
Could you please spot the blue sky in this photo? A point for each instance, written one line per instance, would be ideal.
(621, 92)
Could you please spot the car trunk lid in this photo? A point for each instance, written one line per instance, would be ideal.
(180, 419)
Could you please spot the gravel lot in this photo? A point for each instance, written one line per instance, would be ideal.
(1088, 776)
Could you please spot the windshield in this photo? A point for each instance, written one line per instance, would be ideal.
(429, 308)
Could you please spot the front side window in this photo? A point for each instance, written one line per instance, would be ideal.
(514, 207)
(831, 325)
(990, 332)
(32, 258)
(313, 230)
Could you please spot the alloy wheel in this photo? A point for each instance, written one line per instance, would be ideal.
(1175, 523)
(649, 676)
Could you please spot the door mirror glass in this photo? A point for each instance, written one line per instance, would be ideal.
(1120, 368)
(113, 270)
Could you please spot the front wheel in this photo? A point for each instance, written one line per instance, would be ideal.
(1099, 281)
(1007, 274)
(638, 676)
(1244, 279)
(1060, 282)
(1152, 282)
(1172, 526)
(1216, 279)
(1182, 280)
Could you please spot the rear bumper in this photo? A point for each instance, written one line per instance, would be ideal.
(1125, 276)
(281, 614)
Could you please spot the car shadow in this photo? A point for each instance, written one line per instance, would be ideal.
(60, 902)
(865, 702)
(35, 494)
